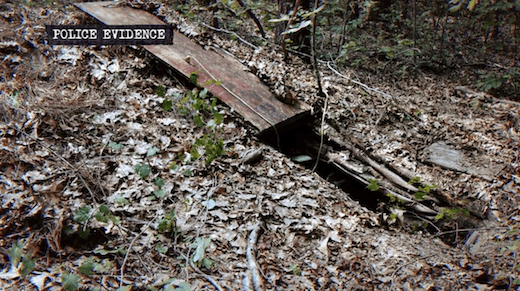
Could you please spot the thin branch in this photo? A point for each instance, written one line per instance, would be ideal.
(253, 270)
(66, 162)
(252, 16)
(467, 229)
(359, 83)
(128, 252)
(230, 32)
(291, 20)
(208, 278)
(313, 51)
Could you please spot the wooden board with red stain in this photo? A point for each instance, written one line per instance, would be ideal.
(250, 98)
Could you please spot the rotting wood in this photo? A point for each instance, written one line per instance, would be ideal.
(362, 156)
(388, 174)
(255, 103)
(445, 156)
(415, 205)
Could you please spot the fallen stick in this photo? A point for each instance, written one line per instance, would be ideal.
(471, 93)
(389, 175)
(230, 32)
(205, 276)
(253, 273)
(252, 15)
(415, 205)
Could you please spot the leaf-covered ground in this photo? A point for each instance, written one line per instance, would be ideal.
(76, 211)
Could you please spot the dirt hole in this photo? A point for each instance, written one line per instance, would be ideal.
(301, 140)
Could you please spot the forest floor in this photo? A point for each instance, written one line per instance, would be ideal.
(102, 189)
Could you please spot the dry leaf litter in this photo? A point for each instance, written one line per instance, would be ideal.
(63, 105)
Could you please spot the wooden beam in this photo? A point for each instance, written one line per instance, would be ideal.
(240, 90)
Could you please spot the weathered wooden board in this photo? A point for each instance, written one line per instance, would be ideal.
(255, 102)
(441, 154)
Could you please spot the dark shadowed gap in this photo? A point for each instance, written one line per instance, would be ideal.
(300, 140)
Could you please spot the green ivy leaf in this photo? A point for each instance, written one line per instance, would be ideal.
(104, 209)
(194, 153)
(86, 267)
(392, 197)
(198, 104)
(15, 253)
(167, 104)
(419, 195)
(174, 166)
(104, 267)
(159, 182)
(161, 91)
(161, 249)
(414, 180)
(373, 186)
(183, 287)
(210, 204)
(70, 282)
(114, 219)
(28, 264)
(115, 145)
(295, 269)
(142, 170)
(218, 118)
(207, 263)
(193, 77)
(392, 218)
(125, 288)
(160, 193)
(185, 99)
(82, 215)
(197, 119)
(121, 200)
(200, 246)
(152, 151)
(101, 217)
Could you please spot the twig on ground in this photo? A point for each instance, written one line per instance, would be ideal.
(208, 278)
(388, 174)
(359, 83)
(472, 93)
(252, 16)
(230, 32)
(414, 204)
(468, 229)
(253, 273)
(66, 162)
(128, 252)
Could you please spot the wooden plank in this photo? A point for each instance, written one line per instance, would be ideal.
(249, 97)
